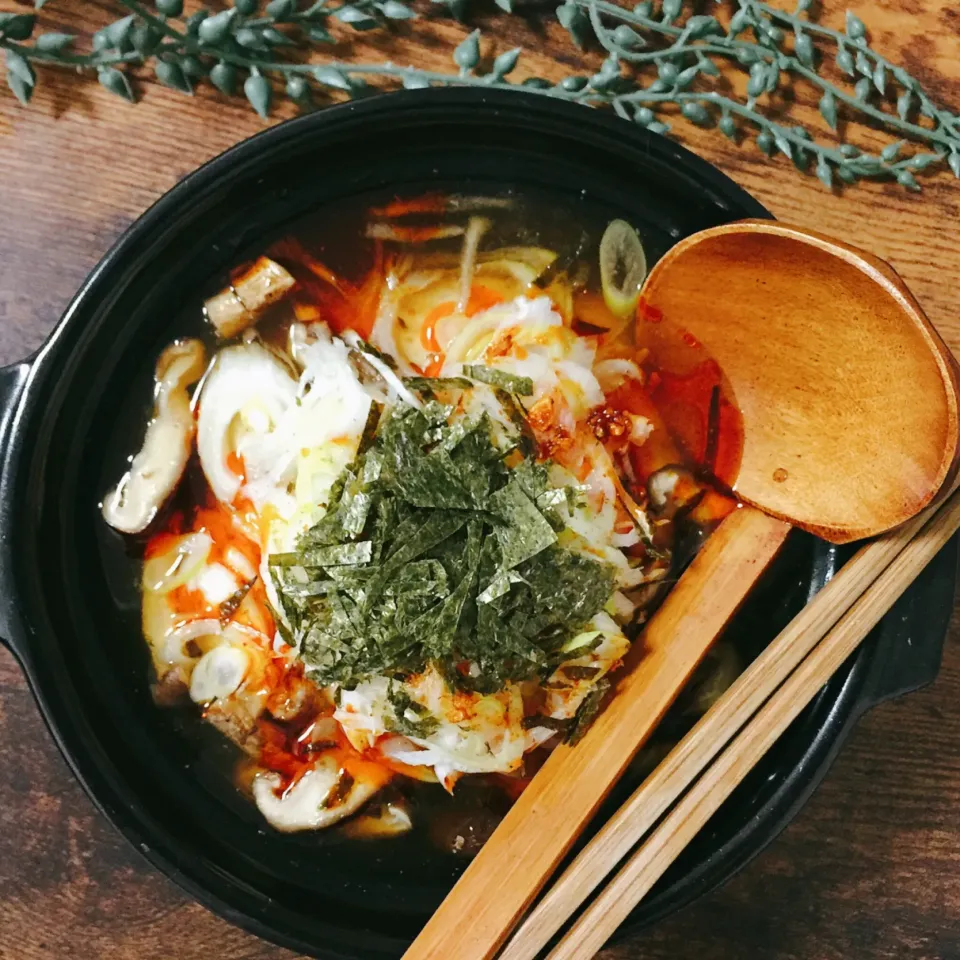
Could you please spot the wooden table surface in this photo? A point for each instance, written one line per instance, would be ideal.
(871, 867)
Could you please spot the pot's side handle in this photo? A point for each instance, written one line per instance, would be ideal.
(911, 636)
(12, 381)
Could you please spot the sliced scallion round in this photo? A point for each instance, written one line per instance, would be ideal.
(623, 267)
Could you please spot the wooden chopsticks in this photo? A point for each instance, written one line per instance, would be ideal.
(779, 684)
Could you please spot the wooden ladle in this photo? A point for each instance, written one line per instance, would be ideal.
(850, 404)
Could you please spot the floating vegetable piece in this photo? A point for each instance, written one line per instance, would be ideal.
(322, 796)
(398, 233)
(623, 267)
(239, 305)
(247, 392)
(388, 820)
(157, 468)
(218, 673)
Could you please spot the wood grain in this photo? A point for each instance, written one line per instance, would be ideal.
(869, 871)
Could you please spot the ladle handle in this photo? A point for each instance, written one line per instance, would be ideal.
(528, 845)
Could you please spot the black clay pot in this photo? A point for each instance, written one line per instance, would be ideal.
(76, 634)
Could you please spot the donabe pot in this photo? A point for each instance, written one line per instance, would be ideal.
(79, 645)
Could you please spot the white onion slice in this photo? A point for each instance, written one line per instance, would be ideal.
(177, 566)
(218, 673)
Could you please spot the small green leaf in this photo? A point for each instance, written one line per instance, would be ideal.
(766, 143)
(904, 104)
(773, 34)
(170, 75)
(773, 77)
(258, 91)
(920, 161)
(738, 21)
(658, 126)
(21, 90)
(758, 79)
(458, 9)
(275, 38)
(747, 55)
(845, 62)
(696, 113)
(825, 172)
(927, 108)
(891, 151)
(670, 10)
(953, 161)
(119, 31)
(628, 38)
(846, 174)
(331, 77)
(644, 116)
(298, 90)
(17, 26)
(864, 66)
(708, 67)
(280, 10)
(355, 17)
(575, 22)
(145, 38)
(116, 82)
(394, 10)
(246, 7)
(573, 84)
(803, 47)
(505, 63)
(801, 158)
(250, 38)
(728, 127)
(855, 28)
(170, 8)
(686, 77)
(214, 29)
(192, 23)
(906, 179)
(224, 77)
(804, 5)
(880, 79)
(54, 42)
(537, 83)
(319, 34)
(413, 81)
(505, 5)
(38, 4)
(467, 54)
(828, 109)
(862, 89)
(100, 41)
(783, 144)
(701, 26)
(668, 72)
(644, 9)
(192, 67)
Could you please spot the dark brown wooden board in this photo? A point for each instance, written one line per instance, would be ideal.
(871, 868)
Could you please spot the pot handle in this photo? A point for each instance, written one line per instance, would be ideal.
(911, 636)
(12, 381)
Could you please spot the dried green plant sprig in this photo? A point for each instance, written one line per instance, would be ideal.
(658, 59)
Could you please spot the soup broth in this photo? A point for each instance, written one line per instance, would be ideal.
(491, 310)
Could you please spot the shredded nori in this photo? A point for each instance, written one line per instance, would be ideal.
(433, 551)
(521, 386)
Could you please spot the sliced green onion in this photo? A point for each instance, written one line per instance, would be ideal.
(623, 267)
